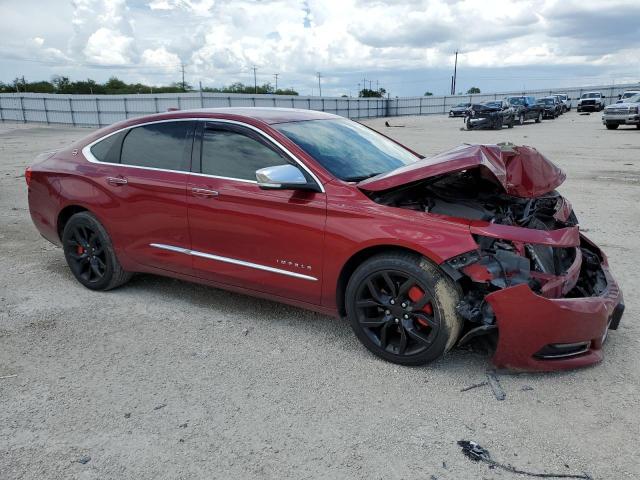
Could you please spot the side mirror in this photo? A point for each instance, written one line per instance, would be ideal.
(284, 177)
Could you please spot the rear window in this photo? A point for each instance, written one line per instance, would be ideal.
(164, 145)
(108, 150)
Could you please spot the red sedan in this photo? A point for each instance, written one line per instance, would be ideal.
(419, 254)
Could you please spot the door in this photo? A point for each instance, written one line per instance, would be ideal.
(146, 176)
(265, 240)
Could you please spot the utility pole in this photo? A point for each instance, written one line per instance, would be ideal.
(255, 81)
(370, 84)
(319, 86)
(377, 87)
(184, 87)
(276, 77)
(358, 89)
(455, 74)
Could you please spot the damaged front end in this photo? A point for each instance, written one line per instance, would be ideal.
(535, 286)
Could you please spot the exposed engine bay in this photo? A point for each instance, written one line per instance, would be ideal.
(470, 195)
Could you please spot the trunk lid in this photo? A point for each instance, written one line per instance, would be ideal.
(521, 171)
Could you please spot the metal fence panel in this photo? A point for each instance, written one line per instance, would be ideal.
(100, 110)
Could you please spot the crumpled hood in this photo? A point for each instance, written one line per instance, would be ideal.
(522, 171)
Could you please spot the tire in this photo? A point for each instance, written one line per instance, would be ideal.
(579, 110)
(90, 254)
(612, 126)
(468, 123)
(638, 125)
(521, 119)
(498, 125)
(539, 117)
(511, 122)
(396, 296)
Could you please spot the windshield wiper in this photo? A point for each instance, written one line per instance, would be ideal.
(360, 178)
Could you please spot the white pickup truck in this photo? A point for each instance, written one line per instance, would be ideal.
(591, 101)
(626, 113)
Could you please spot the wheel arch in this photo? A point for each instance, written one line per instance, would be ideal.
(65, 214)
(357, 259)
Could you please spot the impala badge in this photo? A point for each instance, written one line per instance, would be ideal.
(289, 263)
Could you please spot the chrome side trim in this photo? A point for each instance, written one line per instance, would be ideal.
(234, 261)
(86, 151)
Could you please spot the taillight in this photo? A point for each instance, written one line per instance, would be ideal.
(27, 176)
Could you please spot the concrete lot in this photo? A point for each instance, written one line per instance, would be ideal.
(159, 380)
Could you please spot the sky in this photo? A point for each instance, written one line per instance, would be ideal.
(405, 46)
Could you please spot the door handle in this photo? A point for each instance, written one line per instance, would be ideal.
(204, 192)
(117, 181)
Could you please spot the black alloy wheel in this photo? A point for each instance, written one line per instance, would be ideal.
(394, 310)
(86, 253)
(90, 255)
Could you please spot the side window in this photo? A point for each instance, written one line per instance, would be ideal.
(108, 150)
(234, 154)
(165, 145)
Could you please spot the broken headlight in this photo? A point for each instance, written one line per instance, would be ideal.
(497, 262)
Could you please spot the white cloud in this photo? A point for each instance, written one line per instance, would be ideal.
(160, 57)
(108, 47)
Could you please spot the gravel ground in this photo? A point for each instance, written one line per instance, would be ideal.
(167, 379)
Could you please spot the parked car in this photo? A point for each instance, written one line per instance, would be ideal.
(312, 209)
(491, 114)
(591, 101)
(526, 109)
(459, 109)
(551, 107)
(626, 113)
(565, 100)
(628, 94)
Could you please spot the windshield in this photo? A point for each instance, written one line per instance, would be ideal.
(462, 105)
(347, 149)
(493, 104)
(562, 97)
(547, 101)
(634, 99)
(516, 100)
(591, 95)
(629, 94)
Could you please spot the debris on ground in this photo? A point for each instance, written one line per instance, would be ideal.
(8, 376)
(478, 454)
(526, 388)
(245, 331)
(127, 415)
(387, 124)
(494, 383)
(183, 425)
(158, 407)
(585, 113)
(84, 459)
(475, 385)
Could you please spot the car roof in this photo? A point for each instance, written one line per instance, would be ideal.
(270, 115)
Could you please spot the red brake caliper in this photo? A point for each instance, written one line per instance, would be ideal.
(80, 250)
(416, 294)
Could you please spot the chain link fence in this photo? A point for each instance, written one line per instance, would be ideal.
(101, 110)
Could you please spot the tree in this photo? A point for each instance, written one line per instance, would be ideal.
(473, 90)
(428, 94)
(366, 93)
